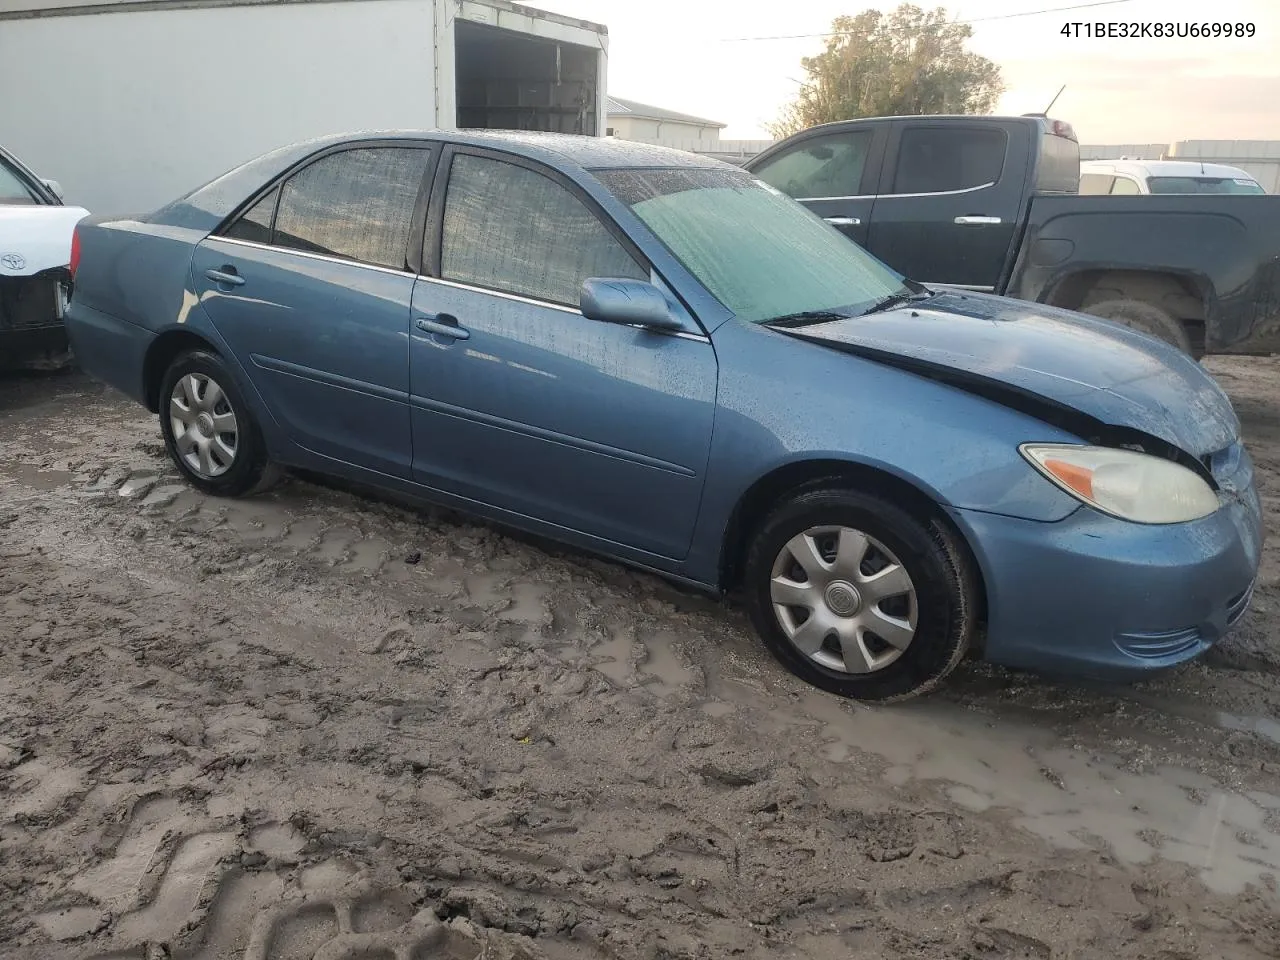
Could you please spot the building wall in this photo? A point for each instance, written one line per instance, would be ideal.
(131, 110)
(667, 133)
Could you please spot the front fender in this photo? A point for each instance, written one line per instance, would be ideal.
(783, 402)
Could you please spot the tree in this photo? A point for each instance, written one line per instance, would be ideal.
(908, 62)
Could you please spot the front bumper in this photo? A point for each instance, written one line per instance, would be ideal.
(1099, 598)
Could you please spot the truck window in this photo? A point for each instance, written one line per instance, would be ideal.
(1203, 185)
(820, 167)
(356, 204)
(1095, 184)
(509, 228)
(943, 159)
(1125, 186)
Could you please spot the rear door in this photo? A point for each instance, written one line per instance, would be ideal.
(834, 173)
(949, 199)
(311, 289)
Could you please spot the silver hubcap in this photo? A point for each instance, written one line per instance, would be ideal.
(843, 599)
(204, 425)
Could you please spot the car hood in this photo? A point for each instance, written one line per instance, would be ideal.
(36, 238)
(1098, 379)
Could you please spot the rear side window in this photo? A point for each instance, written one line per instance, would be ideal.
(1095, 184)
(357, 204)
(511, 229)
(830, 166)
(14, 190)
(1124, 185)
(943, 159)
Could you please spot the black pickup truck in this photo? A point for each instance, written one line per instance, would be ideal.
(993, 204)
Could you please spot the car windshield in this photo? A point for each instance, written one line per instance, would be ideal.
(760, 253)
(1203, 185)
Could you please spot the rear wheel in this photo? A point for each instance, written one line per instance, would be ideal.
(209, 432)
(858, 596)
(1145, 318)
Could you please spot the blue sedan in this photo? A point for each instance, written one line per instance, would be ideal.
(658, 358)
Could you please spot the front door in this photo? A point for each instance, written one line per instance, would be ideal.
(522, 403)
(311, 290)
(833, 174)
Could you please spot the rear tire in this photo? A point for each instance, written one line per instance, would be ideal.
(899, 612)
(1145, 318)
(209, 430)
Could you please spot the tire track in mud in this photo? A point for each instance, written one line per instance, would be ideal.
(279, 724)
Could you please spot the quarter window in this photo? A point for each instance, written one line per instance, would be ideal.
(1124, 185)
(830, 166)
(357, 204)
(943, 159)
(1095, 184)
(255, 223)
(511, 229)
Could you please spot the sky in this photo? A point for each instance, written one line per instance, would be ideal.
(686, 55)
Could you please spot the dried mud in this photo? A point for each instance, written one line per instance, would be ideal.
(256, 729)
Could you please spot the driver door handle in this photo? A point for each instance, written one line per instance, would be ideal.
(443, 325)
(977, 220)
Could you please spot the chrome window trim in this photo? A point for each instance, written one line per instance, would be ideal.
(975, 287)
(313, 256)
(885, 196)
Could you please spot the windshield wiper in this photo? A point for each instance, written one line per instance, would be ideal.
(804, 318)
(894, 300)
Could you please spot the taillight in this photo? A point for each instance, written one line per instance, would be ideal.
(1061, 129)
(75, 252)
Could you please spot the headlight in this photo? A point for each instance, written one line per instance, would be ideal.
(1131, 486)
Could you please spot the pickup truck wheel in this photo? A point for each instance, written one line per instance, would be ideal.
(857, 596)
(1145, 318)
(208, 429)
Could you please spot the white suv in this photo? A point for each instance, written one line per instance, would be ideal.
(1163, 176)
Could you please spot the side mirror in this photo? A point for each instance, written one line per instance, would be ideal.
(635, 303)
(55, 186)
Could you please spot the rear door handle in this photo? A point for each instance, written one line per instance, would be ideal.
(978, 220)
(843, 221)
(226, 275)
(444, 325)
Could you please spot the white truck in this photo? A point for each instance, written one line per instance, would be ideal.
(1144, 177)
(36, 230)
(155, 98)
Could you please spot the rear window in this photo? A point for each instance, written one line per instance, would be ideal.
(1203, 185)
(1059, 167)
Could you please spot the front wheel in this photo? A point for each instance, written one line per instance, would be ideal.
(857, 596)
(208, 430)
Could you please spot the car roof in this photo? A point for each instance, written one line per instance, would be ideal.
(209, 204)
(1163, 168)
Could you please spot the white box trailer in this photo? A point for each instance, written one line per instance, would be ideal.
(131, 103)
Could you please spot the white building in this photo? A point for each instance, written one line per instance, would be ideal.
(131, 104)
(629, 120)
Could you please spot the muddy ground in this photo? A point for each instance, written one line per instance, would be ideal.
(256, 729)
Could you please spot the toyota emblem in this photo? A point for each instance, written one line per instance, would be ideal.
(11, 261)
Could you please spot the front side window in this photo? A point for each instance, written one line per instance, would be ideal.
(14, 190)
(357, 204)
(944, 159)
(509, 228)
(757, 251)
(829, 166)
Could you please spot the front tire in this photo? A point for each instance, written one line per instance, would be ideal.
(208, 429)
(859, 597)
